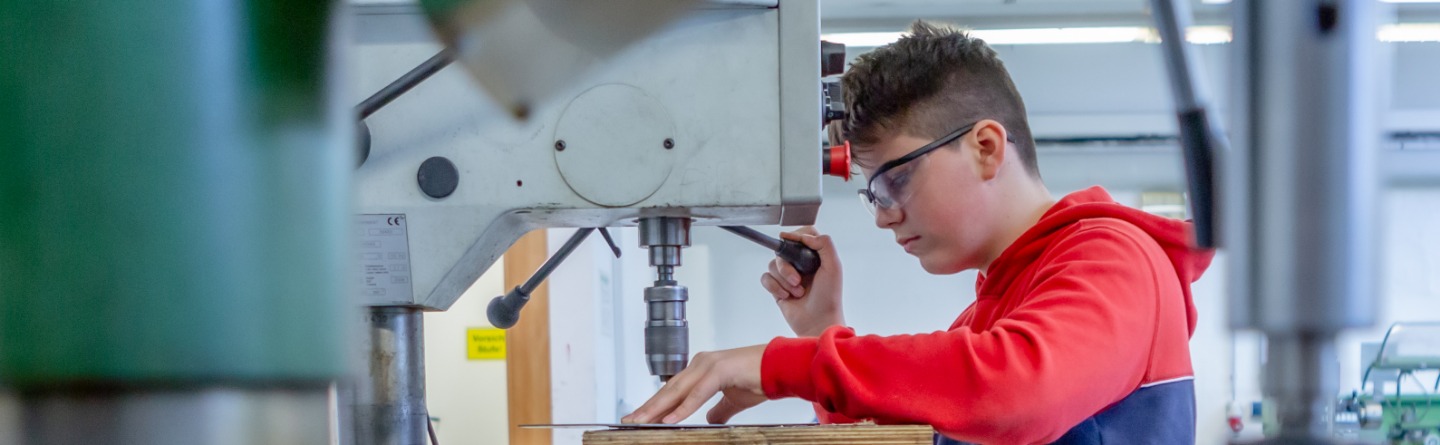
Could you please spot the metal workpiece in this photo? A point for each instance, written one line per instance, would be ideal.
(214, 415)
(389, 406)
(667, 333)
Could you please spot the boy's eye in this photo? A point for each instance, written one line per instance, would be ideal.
(899, 179)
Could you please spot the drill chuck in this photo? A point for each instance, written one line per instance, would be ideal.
(667, 333)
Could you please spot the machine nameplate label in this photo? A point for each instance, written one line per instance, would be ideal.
(384, 258)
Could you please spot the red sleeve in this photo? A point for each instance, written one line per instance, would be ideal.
(828, 418)
(1077, 343)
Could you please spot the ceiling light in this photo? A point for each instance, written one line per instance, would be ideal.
(1212, 2)
(1062, 35)
(1394, 32)
(1410, 32)
(1046, 36)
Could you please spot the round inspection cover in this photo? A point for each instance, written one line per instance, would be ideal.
(614, 138)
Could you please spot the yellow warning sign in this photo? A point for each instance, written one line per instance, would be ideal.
(485, 344)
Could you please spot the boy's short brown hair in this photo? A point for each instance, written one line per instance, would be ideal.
(927, 84)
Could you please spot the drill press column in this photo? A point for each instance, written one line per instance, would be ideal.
(667, 333)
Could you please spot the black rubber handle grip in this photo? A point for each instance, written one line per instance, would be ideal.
(805, 259)
(504, 310)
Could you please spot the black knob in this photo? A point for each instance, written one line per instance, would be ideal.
(437, 177)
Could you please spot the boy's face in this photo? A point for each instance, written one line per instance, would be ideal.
(943, 218)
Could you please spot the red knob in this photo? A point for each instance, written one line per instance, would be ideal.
(837, 160)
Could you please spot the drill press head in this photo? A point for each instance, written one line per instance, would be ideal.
(667, 333)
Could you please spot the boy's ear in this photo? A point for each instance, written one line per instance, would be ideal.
(989, 139)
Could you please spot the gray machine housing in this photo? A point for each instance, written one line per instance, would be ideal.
(715, 117)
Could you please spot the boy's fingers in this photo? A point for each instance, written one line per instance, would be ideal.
(776, 270)
(823, 245)
(786, 274)
(818, 242)
(697, 397)
(792, 276)
(661, 403)
(797, 234)
(773, 287)
(723, 411)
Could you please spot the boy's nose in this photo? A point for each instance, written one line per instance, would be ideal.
(885, 218)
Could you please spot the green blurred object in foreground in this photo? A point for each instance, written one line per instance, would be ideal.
(172, 195)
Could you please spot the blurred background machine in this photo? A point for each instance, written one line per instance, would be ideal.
(1387, 413)
(172, 244)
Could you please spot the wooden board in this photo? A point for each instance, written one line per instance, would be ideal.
(527, 366)
(777, 435)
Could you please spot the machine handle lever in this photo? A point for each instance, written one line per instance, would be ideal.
(1200, 136)
(611, 241)
(504, 310)
(805, 259)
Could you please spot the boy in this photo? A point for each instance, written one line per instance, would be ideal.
(1083, 313)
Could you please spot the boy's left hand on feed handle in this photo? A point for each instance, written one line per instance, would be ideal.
(734, 372)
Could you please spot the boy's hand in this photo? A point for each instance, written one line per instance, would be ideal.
(736, 372)
(809, 304)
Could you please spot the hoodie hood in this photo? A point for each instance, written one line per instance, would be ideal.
(1174, 236)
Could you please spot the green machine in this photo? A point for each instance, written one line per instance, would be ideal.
(1410, 353)
(1401, 406)
(1405, 419)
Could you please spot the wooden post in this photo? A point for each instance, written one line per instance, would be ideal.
(527, 345)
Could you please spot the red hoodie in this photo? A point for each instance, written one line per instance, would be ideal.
(1083, 309)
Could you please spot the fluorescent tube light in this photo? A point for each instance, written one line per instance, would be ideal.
(1395, 32)
(1410, 32)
